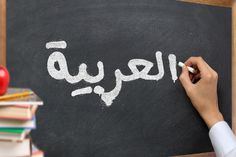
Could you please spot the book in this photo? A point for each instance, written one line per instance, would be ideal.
(17, 118)
(31, 99)
(9, 123)
(36, 152)
(15, 149)
(17, 130)
(18, 112)
(13, 134)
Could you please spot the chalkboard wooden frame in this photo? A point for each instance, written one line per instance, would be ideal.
(226, 3)
(234, 66)
(3, 32)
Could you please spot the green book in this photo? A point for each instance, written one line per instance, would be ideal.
(9, 130)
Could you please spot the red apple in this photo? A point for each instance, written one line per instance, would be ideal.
(4, 80)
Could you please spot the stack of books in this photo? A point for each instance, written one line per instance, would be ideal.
(17, 119)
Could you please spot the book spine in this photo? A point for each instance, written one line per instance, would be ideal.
(16, 118)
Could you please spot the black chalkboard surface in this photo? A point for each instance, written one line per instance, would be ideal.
(148, 117)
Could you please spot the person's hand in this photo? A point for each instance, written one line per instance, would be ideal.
(201, 88)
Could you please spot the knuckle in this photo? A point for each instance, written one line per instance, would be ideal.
(189, 90)
(181, 77)
(208, 76)
(193, 58)
(200, 58)
(215, 75)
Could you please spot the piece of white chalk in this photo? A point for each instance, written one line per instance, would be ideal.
(190, 69)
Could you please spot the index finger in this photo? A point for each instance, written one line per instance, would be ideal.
(199, 62)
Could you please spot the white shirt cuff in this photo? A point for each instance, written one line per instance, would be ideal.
(222, 138)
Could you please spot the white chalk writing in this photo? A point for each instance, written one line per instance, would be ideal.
(62, 72)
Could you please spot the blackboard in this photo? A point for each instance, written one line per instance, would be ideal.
(148, 117)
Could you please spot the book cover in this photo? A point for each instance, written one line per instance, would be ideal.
(9, 123)
(14, 149)
(32, 99)
(9, 130)
(18, 112)
(13, 134)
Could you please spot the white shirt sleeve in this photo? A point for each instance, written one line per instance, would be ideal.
(223, 140)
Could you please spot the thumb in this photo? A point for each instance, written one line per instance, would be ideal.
(184, 78)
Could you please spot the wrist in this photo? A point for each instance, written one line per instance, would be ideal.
(213, 118)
